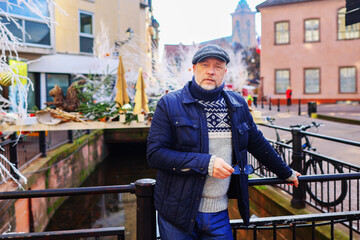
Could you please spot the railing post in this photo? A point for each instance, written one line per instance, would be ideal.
(270, 103)
(262, 102)
(298, 200)
(70, 136)
(278, 103)
(299, 106)
(42, 143)
(14, 155)
(145, 210)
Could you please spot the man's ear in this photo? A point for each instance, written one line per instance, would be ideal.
(194, 66)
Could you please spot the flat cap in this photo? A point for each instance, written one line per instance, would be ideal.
(210, 50)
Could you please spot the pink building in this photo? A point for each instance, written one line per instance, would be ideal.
(306, 45)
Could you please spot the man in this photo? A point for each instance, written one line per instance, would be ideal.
(198, 142)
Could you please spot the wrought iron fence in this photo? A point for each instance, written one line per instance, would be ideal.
(22, 149)
(309, 226)
(143, 189)
(146, 215)
(118, 232)
(326, 196)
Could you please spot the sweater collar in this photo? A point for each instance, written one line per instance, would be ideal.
(202, 94)
(187, 98)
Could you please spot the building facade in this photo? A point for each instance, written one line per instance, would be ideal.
(306, 45)
(83, 37)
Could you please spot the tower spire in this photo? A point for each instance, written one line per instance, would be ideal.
(242, 5)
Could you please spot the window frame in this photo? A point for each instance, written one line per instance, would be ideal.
(338, 35)
(23, 19)
(275, 80)
(86, 35)
(319, 80)
(47, 81)
(339, 80)
(275, 32)
(305, 30)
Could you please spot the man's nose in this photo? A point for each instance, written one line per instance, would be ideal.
(211, 71)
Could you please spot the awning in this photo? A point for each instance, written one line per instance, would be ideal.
(73, 64)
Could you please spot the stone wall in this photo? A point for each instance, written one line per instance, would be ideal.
(65, 167)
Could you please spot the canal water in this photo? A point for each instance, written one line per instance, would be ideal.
(125, 164)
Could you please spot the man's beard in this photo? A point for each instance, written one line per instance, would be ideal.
(208, 87)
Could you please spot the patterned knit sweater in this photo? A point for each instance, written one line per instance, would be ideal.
(214, 197)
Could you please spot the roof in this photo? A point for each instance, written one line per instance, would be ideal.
(75, 64)
(175, 49)
(223, 42)
(270, 3)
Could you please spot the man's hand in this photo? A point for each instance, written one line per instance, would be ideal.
(221, 169)
(295, 181)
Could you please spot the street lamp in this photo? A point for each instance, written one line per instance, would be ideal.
(129, 33)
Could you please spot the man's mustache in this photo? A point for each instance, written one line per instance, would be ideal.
(209, 78)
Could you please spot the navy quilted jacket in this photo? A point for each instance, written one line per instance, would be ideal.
(178, 141)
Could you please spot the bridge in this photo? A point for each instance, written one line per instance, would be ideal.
(346, 212)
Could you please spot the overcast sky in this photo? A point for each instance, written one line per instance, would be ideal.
(189, 21)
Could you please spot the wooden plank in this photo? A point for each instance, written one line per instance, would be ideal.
(73, 126)
(91, 125)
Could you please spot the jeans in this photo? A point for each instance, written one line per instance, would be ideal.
(207, 226)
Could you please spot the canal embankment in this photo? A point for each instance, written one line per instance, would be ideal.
(64, 167)
(128, 164)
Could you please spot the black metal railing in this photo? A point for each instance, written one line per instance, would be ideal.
(146, 223)
(268, 101)
(330, 196)
(22, 150)
(298, 226)
(146, 215)
(118, 232)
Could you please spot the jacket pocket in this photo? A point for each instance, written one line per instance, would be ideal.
(243, 135)
(187, 133)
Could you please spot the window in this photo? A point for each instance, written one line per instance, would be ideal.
(282, 80)
(282, 33)
(31, 94)
(347, 80)
(312, 30)
(347, 32)
(62, 80)
(37, 32)
(86, 33)
(312, 80)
